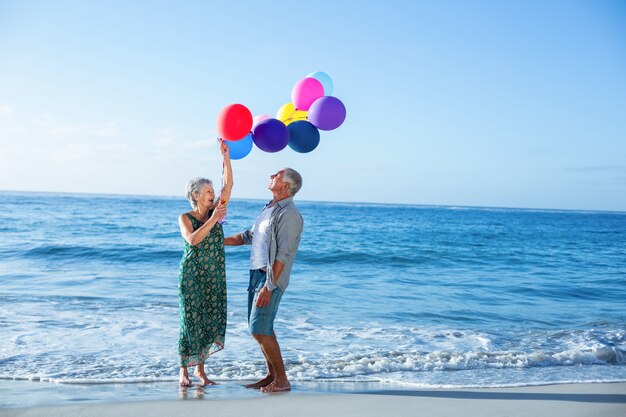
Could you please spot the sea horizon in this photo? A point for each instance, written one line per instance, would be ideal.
(417, 205)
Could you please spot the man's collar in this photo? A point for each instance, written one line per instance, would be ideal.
(281, 203)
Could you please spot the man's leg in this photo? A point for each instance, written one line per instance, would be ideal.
(261, 323)
(271, 349)
(257, 279)
(269, 378)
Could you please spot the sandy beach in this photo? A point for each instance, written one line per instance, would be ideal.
(569, 400)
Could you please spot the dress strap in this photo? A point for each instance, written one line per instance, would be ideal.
(194, 222)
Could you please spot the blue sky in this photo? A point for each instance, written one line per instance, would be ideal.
(511, 104)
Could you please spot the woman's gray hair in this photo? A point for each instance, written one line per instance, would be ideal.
(194, 186)
(294, 180)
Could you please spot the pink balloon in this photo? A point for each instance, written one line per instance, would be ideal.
(305, 92)
(258, 119)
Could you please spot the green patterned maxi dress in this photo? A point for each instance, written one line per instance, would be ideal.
(202, 297)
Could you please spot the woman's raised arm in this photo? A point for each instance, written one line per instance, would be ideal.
(227, 178)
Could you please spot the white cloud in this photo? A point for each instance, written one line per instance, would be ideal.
(211, 133)
(72, 152)
(166, 137)
(44, 121)
(200, 144)
(210, 141)
(20, 131)
(46, 124)
(6, 110)
(54, 128)
(91, 152)
(117, 148)
(64, 130)
(106, 130)
(169, 138)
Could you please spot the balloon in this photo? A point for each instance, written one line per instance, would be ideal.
(271, 135)
(303, 136)
(288, 114)
(240, 148)
(305, 92)
(258, 119)
(323, 78)
(234, 122)
(327, 113)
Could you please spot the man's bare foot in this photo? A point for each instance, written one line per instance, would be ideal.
(204, 381)
(183, 379)
(262, 383)
(277, 387)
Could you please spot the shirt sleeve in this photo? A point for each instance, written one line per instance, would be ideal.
(247, 237)
(288, 232)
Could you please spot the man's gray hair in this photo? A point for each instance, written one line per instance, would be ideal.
(194, 186)
(294, 180)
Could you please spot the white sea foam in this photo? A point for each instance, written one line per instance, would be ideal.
(143, 350)
(106, 343)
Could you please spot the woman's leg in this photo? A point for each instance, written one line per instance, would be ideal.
(199, 372)
(183, 379)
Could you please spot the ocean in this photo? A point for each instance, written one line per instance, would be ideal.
(413, 296)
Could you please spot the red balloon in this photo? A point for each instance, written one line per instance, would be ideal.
(234, 122)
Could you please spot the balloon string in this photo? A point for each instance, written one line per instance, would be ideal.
(223, 167)
(223, 183)
(293, 118)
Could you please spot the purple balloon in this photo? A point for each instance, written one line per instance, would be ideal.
(270, 135)
(327, 113)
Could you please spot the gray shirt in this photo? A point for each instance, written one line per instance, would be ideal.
(284, 235)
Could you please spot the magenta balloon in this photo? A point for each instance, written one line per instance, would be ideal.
(271, 135)
(305, 92)
(327, 113)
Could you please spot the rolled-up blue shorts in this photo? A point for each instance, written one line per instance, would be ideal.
(261, 319)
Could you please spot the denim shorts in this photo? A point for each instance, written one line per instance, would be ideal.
(261, 319)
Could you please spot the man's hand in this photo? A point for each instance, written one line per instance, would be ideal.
(264, 297)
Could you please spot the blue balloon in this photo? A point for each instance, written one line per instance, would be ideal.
(240, 148)
(323, 78)
(303, 136)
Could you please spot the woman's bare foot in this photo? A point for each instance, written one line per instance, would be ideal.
(183, 379)
(203, 378)
(262, 383)
(277, 386)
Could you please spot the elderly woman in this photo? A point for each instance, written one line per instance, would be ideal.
(202, 276)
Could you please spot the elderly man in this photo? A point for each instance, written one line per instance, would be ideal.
(274, 238)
